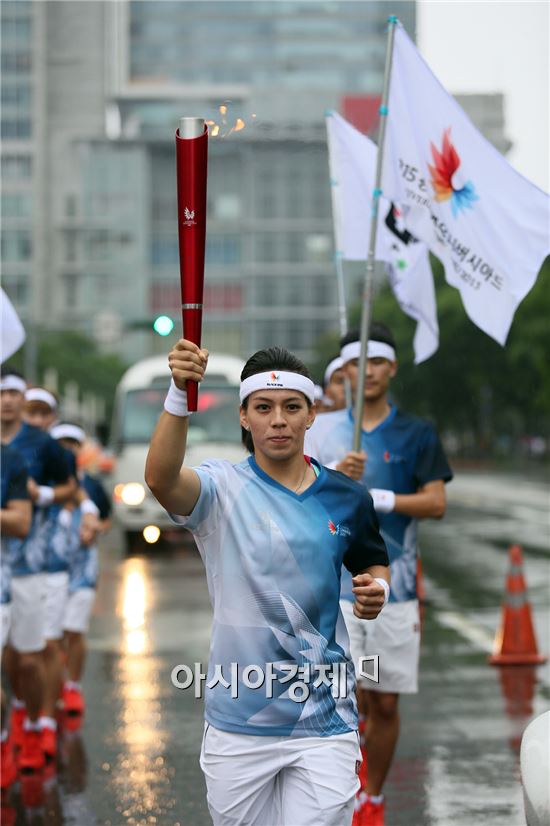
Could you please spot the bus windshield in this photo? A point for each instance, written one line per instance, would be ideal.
(217, 418)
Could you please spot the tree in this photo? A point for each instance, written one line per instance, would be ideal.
(76, 358)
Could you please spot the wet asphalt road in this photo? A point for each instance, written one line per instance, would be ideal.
(136, 759)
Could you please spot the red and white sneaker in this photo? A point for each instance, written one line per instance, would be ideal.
(17, 718)
(8, 769)
(31, 757)
(49, 742)
(372, 814)
(359, 801)
(73, 701)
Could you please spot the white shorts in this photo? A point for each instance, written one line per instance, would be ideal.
(28, 598)
(6, 616)
(57, 594)
(280, 781)
(79, 610)
(395, 636)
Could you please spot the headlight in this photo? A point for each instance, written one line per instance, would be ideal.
(131, 494)
(151, 534)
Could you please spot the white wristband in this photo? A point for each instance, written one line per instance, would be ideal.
(383, 500)
(87, 506)
(45, 496)
(65, 518)
(385, 586)
(176, 401)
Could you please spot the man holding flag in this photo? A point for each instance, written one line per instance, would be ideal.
(404, 467)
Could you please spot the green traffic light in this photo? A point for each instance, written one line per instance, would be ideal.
(163, 325)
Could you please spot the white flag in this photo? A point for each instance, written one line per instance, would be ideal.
(410, 276)
(13, 334)
(352, 161)
(487, 224)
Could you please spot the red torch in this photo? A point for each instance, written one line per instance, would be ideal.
(191, 164)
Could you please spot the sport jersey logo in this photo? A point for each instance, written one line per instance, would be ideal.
(392, 457)
(338, 530)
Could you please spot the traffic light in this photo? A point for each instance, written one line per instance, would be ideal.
(163, 325)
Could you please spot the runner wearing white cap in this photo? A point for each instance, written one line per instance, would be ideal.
(15, 524)
(280, 743)
(403, 465)
(50, 482)
(41, 409)
(334, 385)
(83, 573)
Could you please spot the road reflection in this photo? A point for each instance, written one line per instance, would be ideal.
(140, 776)
(57, 794)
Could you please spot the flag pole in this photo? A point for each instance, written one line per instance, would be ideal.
(369, 272)
(338, 254)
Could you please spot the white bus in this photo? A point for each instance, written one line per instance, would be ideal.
(214, 431)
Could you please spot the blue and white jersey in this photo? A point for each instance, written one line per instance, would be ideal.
(84, 562)
(14, 487)
(46, 464)
(273, 560)
(83, 566)
(58, 542)
(403, 453)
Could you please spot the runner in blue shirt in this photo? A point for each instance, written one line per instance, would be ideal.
(280, 743)
(41, 411)
(403, 465)
(83, 573)
(50, 481)
(15, 523)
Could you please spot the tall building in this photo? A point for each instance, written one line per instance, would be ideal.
(22, 120)
(108, 82)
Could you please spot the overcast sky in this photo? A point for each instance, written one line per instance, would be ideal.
(496, 46)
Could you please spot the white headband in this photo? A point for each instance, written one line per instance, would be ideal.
(38, 394)
(277, 380)
(11, 382)
(68, 431)
(375, 350)
(332, 367)
(318, 392)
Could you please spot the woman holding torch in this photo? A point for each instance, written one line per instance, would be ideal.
(280, 742)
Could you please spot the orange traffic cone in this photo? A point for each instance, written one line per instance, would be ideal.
(515, 642)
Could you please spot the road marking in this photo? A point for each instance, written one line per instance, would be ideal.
(468, 629)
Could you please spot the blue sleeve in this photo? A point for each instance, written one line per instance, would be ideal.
(431, 463)
(97, 494)
(71, 461)
(17, 484)
(56, 468)
(366, 547)
(203, 519)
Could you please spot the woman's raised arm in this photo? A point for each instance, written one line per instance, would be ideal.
(176, 487)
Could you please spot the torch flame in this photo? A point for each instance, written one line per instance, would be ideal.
(220, 129)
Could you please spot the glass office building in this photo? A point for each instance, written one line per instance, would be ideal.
(278, 67)
(18, 160)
